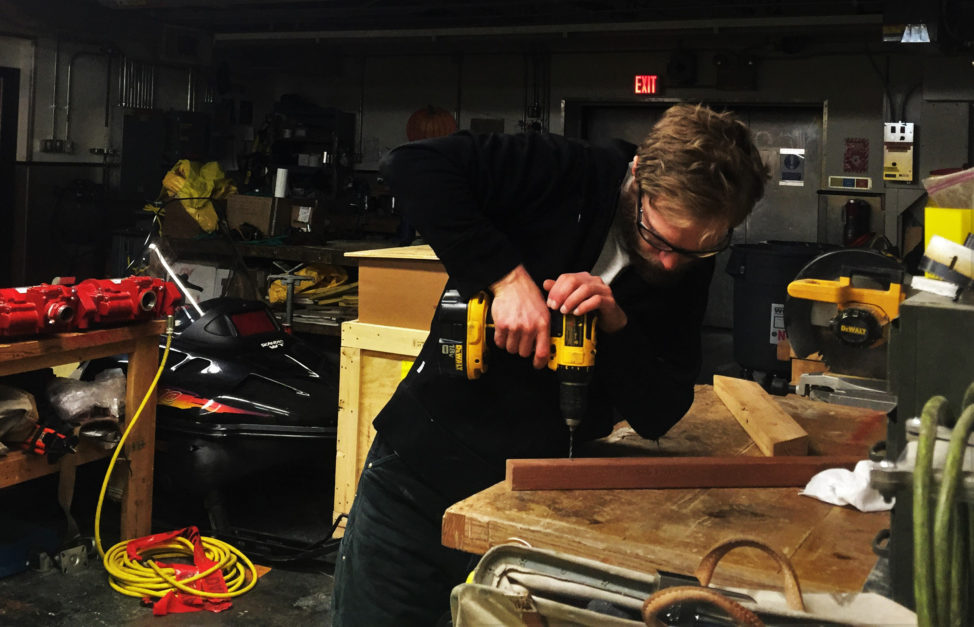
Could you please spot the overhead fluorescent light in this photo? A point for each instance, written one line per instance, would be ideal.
(915, 34)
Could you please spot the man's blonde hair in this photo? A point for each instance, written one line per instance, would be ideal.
(701, 165)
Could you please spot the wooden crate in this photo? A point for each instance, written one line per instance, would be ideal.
(399, 287)
(374, 359)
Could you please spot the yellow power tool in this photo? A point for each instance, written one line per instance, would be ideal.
(463, 347)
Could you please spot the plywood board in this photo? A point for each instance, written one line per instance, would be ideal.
(773, 430)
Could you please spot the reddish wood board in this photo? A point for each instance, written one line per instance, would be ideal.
(669, 472)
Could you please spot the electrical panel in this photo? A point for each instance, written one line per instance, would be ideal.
(898, 151)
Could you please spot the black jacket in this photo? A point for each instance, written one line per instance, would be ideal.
(486, 204)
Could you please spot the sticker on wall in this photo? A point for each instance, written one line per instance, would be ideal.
(778, 333)
(856, 157)
(791, 163)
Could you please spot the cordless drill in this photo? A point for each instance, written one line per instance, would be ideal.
(463, 348)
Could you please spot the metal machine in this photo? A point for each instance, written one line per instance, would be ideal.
(930, 356)
(894, 342)
(841, 306)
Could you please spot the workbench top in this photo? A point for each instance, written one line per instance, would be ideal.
(830, 547)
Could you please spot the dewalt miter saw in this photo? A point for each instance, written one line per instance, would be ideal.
(463, 346)
(840, 306)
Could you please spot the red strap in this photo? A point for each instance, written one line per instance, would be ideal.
(177, 601)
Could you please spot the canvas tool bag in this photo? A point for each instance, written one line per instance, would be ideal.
(519, 585)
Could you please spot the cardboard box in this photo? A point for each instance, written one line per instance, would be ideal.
(399, 287)
(178, 223)
(270, 216)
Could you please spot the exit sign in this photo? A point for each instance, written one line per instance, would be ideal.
(646, 84)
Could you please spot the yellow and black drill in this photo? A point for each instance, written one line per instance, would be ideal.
(463, 348)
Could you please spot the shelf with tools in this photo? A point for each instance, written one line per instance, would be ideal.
(141, 343)
(262, 261)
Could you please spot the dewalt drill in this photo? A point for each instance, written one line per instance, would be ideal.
(463, 349)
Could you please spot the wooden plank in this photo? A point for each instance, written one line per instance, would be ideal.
(669, 472)
(805, 366)
(773, 430)
(18, 466)
(421, 252)
(63, 348)
(382, 338)
(347, 460)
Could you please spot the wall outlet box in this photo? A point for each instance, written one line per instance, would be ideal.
(898, 151)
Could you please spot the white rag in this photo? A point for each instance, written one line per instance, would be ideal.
(839, 486)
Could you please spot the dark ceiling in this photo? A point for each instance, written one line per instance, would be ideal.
(290, 16)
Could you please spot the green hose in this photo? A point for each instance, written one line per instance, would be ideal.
(944, 520)
(958, 565)
(923, 563)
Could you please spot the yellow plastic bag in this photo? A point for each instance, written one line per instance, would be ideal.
(196, 184)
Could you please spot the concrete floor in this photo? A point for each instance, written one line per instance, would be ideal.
(294, 503)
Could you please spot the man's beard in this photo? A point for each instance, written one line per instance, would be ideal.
(651, 270)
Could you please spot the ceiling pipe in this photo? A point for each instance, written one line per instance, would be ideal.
(558, 29)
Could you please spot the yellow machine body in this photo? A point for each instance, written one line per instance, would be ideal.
(842, 293)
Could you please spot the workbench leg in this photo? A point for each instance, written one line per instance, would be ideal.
(141, 443)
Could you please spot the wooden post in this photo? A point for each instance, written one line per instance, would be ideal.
(141, 444)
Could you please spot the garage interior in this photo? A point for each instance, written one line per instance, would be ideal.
(862, 110)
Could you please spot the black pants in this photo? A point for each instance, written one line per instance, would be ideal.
(392, 568)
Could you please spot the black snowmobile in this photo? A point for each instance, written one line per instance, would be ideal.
(238, 397)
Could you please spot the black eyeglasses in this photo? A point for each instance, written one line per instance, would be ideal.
(657, 241)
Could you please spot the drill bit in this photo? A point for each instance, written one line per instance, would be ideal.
(572, 424)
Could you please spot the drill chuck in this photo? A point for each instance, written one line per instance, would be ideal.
(573, 402)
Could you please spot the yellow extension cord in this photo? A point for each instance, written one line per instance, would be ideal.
(143, 577)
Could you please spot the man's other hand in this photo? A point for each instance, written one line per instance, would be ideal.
(579, 293)
(522, 322)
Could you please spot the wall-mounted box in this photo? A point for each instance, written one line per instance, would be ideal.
(898, 151)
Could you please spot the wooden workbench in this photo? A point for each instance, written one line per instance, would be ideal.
(672, 529)
(141, 342)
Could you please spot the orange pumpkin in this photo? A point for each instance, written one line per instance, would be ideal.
(428, 122)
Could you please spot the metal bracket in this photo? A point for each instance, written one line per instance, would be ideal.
(73, 559)
(289, 279)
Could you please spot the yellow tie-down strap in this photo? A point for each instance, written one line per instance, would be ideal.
(842, 292)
